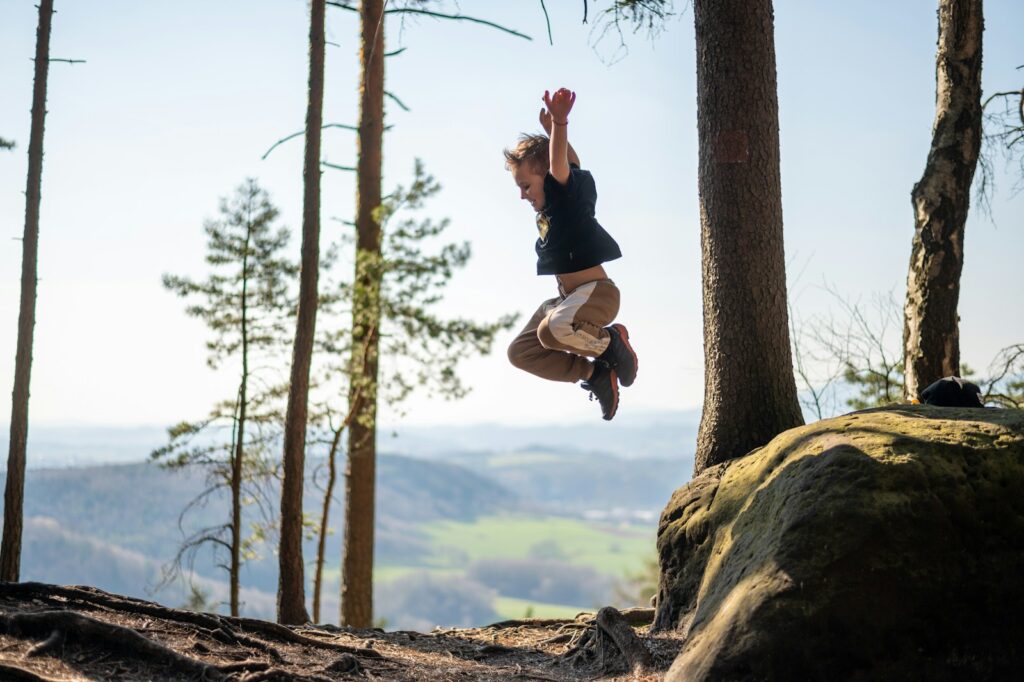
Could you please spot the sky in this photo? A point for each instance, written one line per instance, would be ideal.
(177, 102)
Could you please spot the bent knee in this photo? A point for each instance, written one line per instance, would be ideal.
(517, 354)
(552, 334)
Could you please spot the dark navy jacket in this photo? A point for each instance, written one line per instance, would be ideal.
(571, 239)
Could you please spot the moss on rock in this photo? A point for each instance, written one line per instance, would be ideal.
(884, 543)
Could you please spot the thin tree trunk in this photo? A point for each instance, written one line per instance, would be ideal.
(239, 451)
(931, 324)
(321, 545)
(749, 389)
(291, 594)
(10, 548)
(357, 560)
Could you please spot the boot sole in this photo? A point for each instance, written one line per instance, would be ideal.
(615, 394)
(624, 335)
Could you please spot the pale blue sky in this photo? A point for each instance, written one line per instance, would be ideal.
(178, 101)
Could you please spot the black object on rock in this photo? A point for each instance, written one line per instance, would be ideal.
(952, 392)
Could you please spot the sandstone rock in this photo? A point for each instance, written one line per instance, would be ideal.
(884, 544)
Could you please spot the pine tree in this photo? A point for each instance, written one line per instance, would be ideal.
(749, 387)
(419, 349)
(246, 304)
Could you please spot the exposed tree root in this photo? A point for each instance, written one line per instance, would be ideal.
(621, 632)
(286, 634)
(529, 622)
(281, 675)
(606, 642)
(244, 666)
(108, 635)
(346, 663)
(223, 628)
(55, 640)
(9, 671)
(96, 597)
(637, 616)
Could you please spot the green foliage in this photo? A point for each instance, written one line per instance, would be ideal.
(6, 144)
(420, 349)
(247, 305)
(876, 384)
(246, 300)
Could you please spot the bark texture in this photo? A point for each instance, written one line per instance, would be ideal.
(291, 593)
(360, 475)
(941, 199)
(10, 548)
(749, 389)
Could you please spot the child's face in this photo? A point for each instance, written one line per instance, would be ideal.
(530, 184)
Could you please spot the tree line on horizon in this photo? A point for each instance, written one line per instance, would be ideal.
(251, 307)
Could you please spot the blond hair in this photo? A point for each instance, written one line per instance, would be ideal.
(532, 150)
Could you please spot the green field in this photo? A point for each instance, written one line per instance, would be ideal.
(509, 608)
(607, 548)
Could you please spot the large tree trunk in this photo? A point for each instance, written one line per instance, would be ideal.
(931, 325)
(357, 560)
(10, 549)
(749, 388)
(291, 592)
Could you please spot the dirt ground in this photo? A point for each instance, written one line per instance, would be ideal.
(80, 633)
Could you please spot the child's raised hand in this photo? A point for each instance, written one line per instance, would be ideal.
(560, 104)
(545, 120)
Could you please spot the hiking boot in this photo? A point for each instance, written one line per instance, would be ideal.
(619, 355)
(604, 385)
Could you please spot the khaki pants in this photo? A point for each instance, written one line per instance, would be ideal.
(565, 331)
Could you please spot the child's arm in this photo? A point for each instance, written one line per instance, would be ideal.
(545, 122)
(559, 105)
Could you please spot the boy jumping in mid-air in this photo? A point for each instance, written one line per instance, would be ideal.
(567, 331)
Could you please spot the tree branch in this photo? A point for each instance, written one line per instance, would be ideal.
(394, 98)
(337, 167)
(303, 132)
(547, 19)
(440, 15)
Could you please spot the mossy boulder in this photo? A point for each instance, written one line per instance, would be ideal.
(884, 544)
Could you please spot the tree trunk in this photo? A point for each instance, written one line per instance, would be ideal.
(357, 560)
(291, 593)
(321, 545)
(236, 457)
(931, 332)
(749, 388)
(10, 548)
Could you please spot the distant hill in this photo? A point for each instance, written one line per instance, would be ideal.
(649, 434)
(137, 506)
(588, 484)
(116, 527)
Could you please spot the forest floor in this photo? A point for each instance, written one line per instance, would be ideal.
(50, 633)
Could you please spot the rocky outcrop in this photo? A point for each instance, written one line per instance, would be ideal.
(884, 544)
